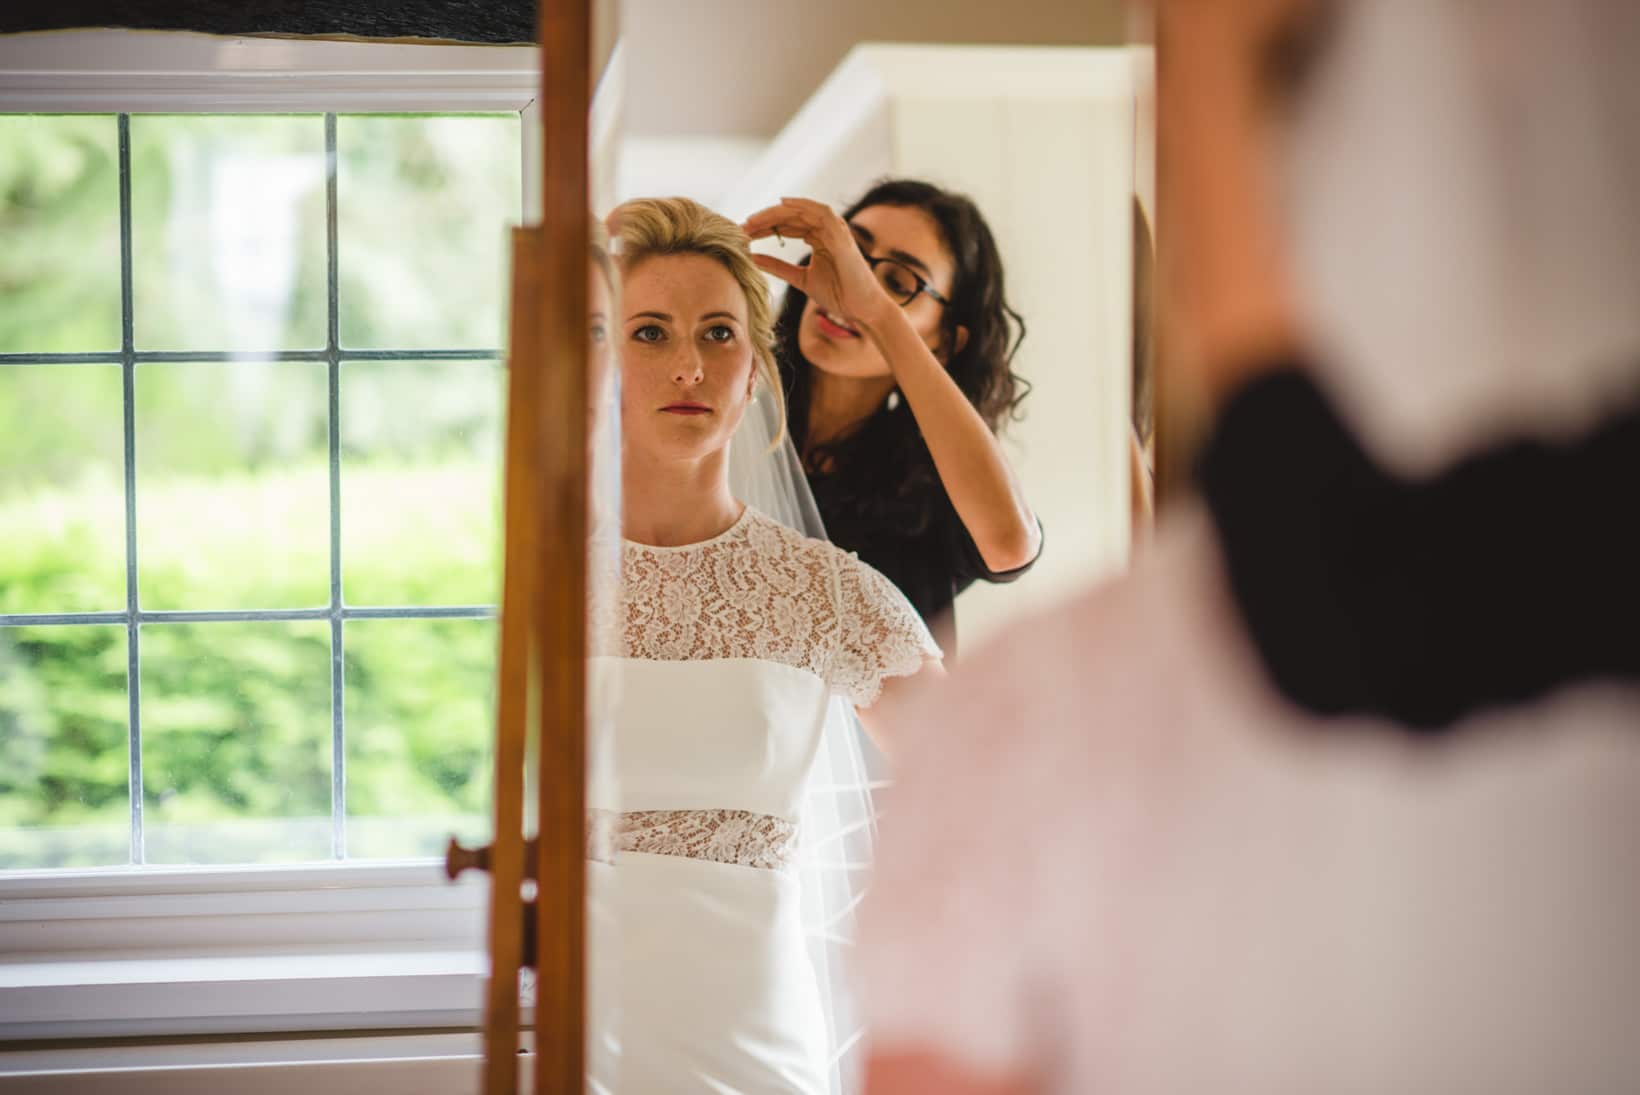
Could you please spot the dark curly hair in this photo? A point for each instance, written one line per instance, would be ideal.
(880, 472)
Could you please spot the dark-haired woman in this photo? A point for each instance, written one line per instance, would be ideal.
(895, 344)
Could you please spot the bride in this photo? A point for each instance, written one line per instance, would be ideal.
(737, 634)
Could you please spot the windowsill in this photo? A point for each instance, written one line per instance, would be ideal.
(123, 997)
(412, 1063)
(184, 952)
(241, 1053)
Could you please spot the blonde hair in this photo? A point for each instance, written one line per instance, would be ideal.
(647, 228)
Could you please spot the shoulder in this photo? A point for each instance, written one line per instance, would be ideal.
(862, 593)
(771, 538)
(865, 589)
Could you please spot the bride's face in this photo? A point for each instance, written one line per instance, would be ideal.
(686, 361)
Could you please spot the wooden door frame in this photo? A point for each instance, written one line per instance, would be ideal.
(560, 597)
(542, 676)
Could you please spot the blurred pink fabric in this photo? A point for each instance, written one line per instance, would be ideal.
(1118, 859)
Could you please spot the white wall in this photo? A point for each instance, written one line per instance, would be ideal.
(1043, 140)
(1056, 191)
(704, 168)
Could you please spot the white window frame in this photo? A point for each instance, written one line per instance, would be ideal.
(142, 951)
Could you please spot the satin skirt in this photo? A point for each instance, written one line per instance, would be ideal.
(713, 987)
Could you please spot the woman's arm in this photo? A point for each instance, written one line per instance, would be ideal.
(972, 467)
(971, 463)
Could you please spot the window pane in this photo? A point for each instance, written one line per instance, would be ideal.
(62, 488)
(64, 759)
(60, 220)
(228, 232)
(233, 485)
(236, 742)
(421, 478)
(419, 734)
(422, 231)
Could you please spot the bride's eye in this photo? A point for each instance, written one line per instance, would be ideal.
(720, 333)
(649, 332)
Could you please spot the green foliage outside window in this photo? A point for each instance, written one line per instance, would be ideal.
(233, 482)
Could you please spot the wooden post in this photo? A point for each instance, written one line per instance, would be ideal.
(565, 28)
(521, 569)
(543, 611)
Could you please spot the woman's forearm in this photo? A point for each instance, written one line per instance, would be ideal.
(970, 460)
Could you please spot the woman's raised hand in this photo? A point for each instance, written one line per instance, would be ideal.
(837, 278)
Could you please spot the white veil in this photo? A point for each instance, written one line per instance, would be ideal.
(769, 477)
(839, 825)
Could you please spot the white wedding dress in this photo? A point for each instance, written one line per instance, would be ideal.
(730, 653)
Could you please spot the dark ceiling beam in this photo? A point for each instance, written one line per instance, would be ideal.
(478, 21)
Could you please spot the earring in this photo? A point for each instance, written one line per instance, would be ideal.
(894, 400)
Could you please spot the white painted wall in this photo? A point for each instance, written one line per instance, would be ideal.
(1043, 139)
(704, 168)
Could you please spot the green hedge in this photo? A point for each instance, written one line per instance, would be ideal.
(236, 717)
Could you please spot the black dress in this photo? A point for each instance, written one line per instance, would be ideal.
(1511, 573)
(930, 564)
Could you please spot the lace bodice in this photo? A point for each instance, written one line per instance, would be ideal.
(761, 590)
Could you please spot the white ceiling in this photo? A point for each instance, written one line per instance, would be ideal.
(741, 68)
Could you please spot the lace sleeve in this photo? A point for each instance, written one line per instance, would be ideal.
(879, 636)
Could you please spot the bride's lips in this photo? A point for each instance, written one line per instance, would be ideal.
(686, 408)
(833, 328)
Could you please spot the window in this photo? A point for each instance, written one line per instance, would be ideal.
(249, 455)
(251, 296)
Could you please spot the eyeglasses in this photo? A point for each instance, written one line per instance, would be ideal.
(899, 280)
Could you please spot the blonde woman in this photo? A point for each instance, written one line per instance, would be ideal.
(738, 632)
